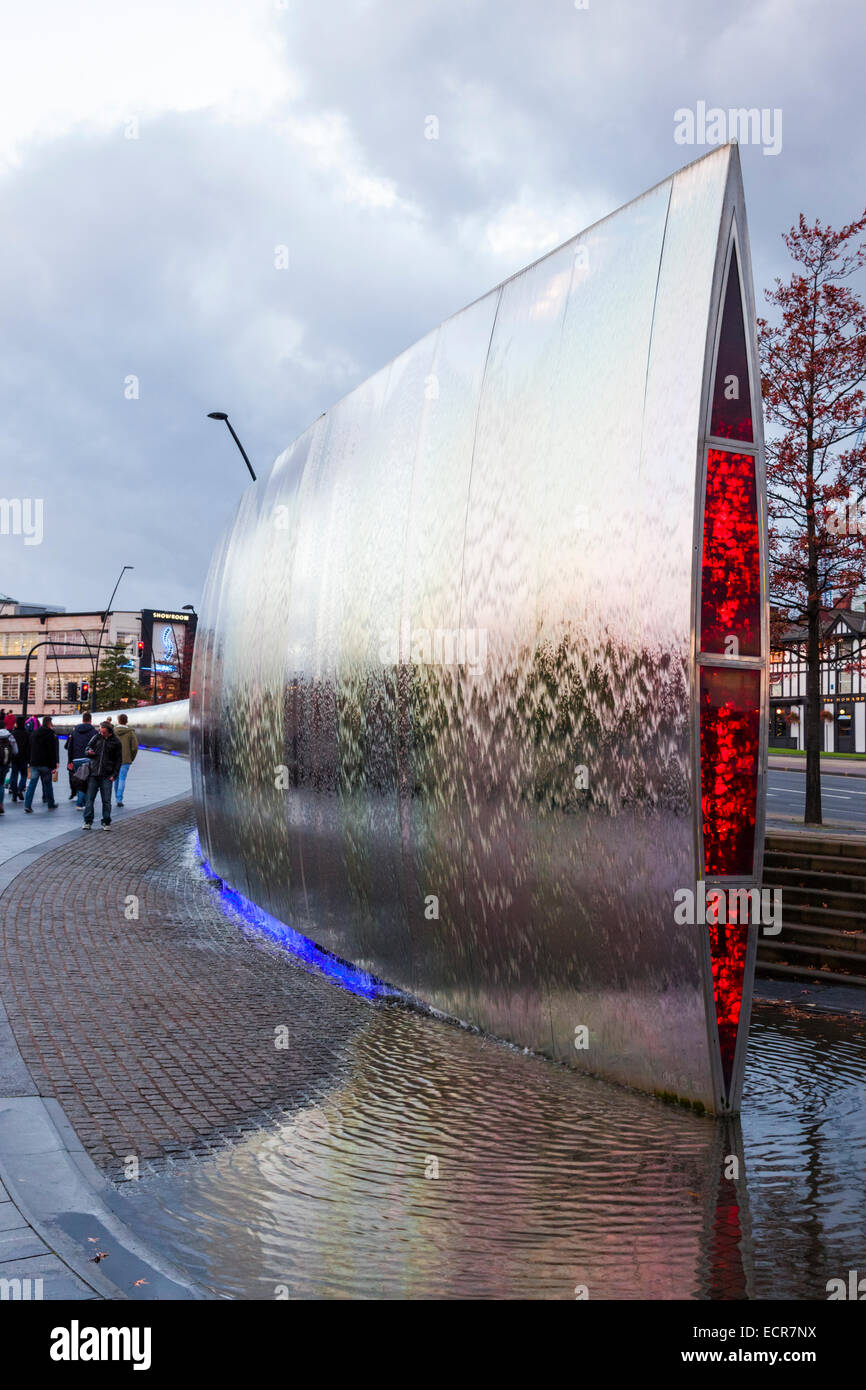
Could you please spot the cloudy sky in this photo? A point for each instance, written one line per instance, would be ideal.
(153, 157)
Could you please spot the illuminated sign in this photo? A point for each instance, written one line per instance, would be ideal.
(165, 652)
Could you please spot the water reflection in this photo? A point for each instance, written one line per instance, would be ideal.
(547, 1181)
(804, 1129)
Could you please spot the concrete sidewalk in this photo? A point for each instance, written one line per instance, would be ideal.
(830, 767)
(830, 828)
(57, 1212)
(154, 777)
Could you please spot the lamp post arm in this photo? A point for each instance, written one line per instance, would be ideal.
(45, 642)
(242, 449)
(105, 617)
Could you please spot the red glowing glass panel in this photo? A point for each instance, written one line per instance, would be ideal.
(729, 729)
(731, 416)
(730, 721)
(729, 938)
(731, 573)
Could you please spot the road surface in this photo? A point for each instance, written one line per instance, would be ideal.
(842, 798)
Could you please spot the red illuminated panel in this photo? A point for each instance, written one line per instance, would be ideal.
(731, 416)
(731, 574)
(729, 769)
(728, 942)
(729, 729)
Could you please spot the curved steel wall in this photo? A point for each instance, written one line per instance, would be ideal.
(164, 727)
(523, 483)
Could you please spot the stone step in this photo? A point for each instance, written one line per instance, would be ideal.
(850, 847)
(788, 879)
(827, 864)
(823, 883)
(826, 895)
(808, 914)
(781, 950)
(773, 970)
(827, 938)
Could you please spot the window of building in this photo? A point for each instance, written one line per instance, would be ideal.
(72, 643)
(844, 658)
(10, 686)
(61, 645)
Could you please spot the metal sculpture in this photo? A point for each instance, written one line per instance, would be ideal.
(480, 678)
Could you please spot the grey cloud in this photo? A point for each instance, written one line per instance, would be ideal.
(155, 257)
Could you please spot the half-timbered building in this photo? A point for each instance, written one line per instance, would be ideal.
(843, 683)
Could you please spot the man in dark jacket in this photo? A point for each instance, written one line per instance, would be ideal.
(106, 755)
(21, 761)
(76, 753)
(44, 757)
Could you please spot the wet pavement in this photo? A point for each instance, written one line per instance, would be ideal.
(139, 1006)
(292, 1139)
(445, 1165)
(55, 1204)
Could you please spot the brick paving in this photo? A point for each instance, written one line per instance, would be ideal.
(157, 1035)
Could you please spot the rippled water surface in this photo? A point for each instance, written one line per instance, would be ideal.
(445, 1164)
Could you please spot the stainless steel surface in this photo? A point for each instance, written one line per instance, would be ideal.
(466, 590)
(165, 727)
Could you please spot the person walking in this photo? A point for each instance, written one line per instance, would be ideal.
(8, 751)
(44, 759)
(106, 756)
(129, 743)
(76, 754)
(9, 719)
(21, 761)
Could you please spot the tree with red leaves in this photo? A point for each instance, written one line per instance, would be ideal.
(813, 366)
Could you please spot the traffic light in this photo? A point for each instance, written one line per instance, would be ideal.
(71, 692)
(140, 646)
(85, 692)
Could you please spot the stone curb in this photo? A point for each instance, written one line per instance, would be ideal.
(829, 829)
(828, 769)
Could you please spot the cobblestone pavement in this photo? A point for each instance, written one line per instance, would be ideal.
(157, 1035)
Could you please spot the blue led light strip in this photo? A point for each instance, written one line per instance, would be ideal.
(348, 977)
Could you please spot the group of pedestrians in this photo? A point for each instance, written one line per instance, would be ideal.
(14, 754)
(97, 760)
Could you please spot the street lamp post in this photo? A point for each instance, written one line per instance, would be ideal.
(102, 632)
(221, 415)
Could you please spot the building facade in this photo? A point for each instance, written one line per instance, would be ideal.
(64, 648)
(843, 687)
